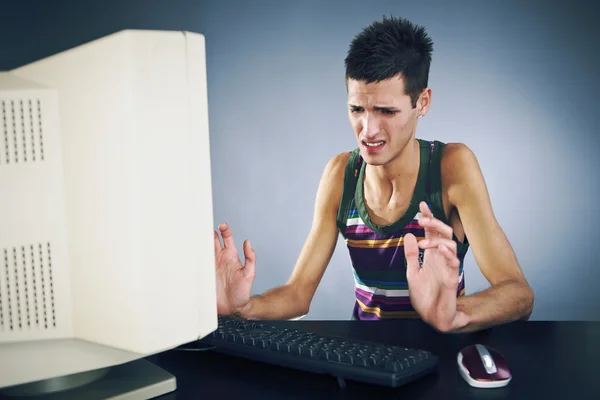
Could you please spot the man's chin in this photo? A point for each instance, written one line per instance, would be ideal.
(374, 160)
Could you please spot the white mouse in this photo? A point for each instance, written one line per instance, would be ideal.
(483, 367)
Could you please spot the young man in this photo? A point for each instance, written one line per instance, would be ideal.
(405, 207)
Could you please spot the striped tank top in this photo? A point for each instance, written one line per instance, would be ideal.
(377, 252)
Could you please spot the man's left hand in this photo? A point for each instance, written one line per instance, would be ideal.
(433, 286)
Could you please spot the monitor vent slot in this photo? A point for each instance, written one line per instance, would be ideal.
(27, 288)
(21, 131)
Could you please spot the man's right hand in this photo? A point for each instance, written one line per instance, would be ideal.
(234, 280)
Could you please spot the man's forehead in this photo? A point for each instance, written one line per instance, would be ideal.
(387, 91)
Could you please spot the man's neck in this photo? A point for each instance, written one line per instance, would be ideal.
(397, 174)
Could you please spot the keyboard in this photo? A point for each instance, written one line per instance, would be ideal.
(342, 357)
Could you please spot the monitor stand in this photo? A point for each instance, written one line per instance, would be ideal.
(139, 379)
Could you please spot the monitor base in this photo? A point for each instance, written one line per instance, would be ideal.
(139, 379)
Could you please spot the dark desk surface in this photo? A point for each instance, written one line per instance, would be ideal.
(548, 360)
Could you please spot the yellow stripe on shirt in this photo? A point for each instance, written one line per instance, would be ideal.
(378, 244)
(387, 314)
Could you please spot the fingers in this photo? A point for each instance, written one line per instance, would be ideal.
(411, 253)
(446, 247)
(434, 225)
(450, 256)
(436, 242)
(218, 246)
(425, 211)
(250, 264)
(425, 215)
(227, 235)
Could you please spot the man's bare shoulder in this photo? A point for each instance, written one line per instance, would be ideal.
(457, 160)
(341, 159)
(331, 186)
(335, 168)
(461, 173)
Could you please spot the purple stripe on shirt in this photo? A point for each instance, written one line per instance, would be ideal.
(363, 316)
(362, 228)
(385, 306)
(358, 229)
(418, 232)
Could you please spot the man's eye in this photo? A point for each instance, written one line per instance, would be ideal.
(356, 109)
(387, 112)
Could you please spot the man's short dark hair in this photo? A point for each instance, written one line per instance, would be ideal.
(388, 48)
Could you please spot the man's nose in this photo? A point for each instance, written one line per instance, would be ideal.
(370, 126)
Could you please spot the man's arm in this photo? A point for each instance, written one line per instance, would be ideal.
(293, 299)
(510, 297)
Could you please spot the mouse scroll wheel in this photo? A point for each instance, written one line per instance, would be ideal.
(486, 359)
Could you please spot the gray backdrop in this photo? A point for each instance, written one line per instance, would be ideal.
(514, 80)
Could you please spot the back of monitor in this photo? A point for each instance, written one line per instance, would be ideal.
(106, 234)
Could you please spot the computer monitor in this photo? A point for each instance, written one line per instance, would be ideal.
(106, 217)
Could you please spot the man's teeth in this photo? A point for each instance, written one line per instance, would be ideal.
(374, 144)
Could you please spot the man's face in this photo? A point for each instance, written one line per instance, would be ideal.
(382, 117)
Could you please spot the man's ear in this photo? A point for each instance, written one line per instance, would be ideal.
(424, 102)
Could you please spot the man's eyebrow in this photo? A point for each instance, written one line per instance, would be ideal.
(385, 107)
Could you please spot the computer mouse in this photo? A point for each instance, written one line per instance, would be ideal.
(483, 367)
